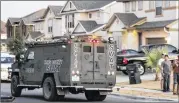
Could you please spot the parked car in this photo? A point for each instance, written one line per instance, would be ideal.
(127, 56)
(6, 61)
(170, 48)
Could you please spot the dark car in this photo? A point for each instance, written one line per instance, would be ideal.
(127, 56)
(170, 48)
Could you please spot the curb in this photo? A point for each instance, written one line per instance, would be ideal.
(145, 98)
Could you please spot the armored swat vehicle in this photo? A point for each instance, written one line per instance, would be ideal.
(67, 65)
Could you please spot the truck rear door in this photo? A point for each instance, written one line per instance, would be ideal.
(100, 60)
(94, 60)
(87, 61)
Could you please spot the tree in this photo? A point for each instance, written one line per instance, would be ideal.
(16, 45)
(153, 57)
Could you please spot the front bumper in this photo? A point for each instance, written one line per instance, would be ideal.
(83, 88)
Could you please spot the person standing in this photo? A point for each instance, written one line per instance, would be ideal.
(166, 72)
(176, 75)
(159, 65)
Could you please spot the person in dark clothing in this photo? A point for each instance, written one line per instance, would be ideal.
(166, 72)
(175, 75)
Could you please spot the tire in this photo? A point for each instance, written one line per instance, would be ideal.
(125, 72)
(94, 96)
(49, 89)
(141, 68)
(15, 91)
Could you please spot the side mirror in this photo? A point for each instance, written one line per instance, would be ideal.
(21, 56)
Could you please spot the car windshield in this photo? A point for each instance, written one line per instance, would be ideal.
(169, 48)
(7, 59)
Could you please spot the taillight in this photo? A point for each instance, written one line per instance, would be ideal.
(125, 61)
(94, 41)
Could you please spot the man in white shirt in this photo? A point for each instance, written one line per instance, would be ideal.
(159, 64)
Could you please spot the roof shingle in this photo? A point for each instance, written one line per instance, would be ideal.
(56, 10)
(90, 25)
(80, 5)
(128, 18)
(155, 24)
(13, 20)
(33, 16)
(35, 34)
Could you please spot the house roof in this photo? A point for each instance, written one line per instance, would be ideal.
(3, 27)
(28, 19)
(80, 5)
(155, 24)
(90, 25)
(128, 19)
(55, 9)
(35, 34)
(13, 20)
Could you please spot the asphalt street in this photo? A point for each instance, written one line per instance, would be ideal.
(35, 96)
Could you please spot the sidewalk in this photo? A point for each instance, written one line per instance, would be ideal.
(147, 89)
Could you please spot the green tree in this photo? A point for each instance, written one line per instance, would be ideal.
(16, 45)
(153, 57)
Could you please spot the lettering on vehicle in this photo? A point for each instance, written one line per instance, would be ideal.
(53, 65)
(111, 56)
(29, 70)
(75, 55)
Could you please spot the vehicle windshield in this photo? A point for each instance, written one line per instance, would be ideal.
(7, 59)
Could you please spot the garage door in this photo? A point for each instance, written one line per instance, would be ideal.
(156, 40)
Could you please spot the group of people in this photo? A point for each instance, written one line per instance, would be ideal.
(167, 67)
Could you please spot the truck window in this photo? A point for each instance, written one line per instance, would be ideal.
(100, 49)
(86, 48)
(31, 55)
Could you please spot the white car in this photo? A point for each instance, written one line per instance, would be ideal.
(6, 61)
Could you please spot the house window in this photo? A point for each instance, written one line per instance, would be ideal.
(41, 26)
(151, 4)
(70, 5)
(90, 15)
(134, 6)
(167, 3)
(69, 21)
(140, 5)
(98, 14)
(158, 6)
(127, 6)
(50, 26)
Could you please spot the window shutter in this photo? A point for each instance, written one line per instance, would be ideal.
(65, 21)
(158, 10)
(73, 19)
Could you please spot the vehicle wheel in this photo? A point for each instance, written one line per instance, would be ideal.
(102, 97)
(94, 96)
(49, 89)
(141, 69)
(125, 72)
(15, 90)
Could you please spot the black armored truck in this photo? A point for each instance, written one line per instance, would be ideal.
(71, 64)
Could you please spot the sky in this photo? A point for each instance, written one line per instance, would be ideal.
(23, 8)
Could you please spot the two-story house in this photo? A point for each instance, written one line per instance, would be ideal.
(50, 23)
(87, 17)
(22, 26)
(145, 22)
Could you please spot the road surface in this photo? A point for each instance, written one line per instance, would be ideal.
(35, 96)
